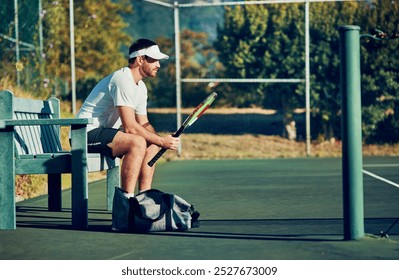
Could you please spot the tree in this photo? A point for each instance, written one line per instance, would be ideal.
(267, 41)
(99, 38)
(198, 60)
(325, 18)
(27, 19)
(380, 72)
(240, 44)
(100, 42)
(263, 41)
(379, 67)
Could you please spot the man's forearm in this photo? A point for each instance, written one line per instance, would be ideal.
(149, 127)
(148, 132)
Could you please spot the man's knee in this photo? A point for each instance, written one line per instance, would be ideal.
(128, 144)
(137, 142)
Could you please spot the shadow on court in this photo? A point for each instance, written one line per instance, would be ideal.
(288, 209)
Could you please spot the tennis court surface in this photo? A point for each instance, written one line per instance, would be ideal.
(288, 209)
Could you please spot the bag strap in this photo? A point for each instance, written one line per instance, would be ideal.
(134, 207)
(168, 216)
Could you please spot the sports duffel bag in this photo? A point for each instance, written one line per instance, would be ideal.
(152, 210)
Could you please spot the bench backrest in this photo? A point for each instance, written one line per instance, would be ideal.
(35, 139)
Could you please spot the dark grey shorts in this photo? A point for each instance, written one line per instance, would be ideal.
(98, 140)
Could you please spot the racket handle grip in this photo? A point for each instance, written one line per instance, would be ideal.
(156, 157)
(163, 150)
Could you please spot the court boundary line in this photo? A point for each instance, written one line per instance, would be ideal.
(382, 165)
(380, 178)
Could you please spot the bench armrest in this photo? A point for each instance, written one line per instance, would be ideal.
(62, 122)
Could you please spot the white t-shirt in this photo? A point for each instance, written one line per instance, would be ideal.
(117, 89)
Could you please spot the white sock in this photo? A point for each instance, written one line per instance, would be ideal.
(128, 195)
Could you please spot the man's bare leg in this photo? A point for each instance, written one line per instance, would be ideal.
(147, 173)
(133, 149)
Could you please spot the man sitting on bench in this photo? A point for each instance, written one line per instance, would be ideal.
(118, 106)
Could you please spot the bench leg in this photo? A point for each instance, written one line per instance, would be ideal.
(54, 192)
(7, 200)
(113, 180)
(79, 199)
(7, 182)
(79, 177)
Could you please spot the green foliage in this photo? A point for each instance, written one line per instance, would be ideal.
(267, 41)
(380, 72)
(28, 16)
(198, 60)
(99, 37)
(262, 41)
(99, 40)
(325, 18)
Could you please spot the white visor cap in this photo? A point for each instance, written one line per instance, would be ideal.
(152, 52)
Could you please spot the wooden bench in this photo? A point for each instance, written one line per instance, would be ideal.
(30, 144)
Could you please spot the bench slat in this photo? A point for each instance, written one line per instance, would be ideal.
(26, 136)
(61, 122)
(39, 139)
(34, 134)
(61, 163)
(32, 106)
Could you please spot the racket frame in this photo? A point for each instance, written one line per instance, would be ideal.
(192, 118)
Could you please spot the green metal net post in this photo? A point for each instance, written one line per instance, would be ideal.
(352, 175)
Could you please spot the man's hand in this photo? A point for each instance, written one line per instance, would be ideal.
(170, 142)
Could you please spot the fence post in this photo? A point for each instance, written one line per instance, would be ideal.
(352, 164)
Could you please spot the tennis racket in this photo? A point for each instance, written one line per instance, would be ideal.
(198, 111)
